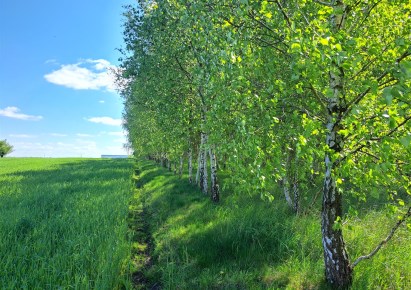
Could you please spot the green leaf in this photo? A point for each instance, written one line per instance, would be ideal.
(324, 41)
(405, 141)
(386, 93)
(295, 47)
(396, 92)
(375, 193)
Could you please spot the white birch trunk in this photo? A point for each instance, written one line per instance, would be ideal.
(203, 165)
(190, 165)
(215, 189)
(286, 190)
(198, 166)
(180, 171)
(338, 271)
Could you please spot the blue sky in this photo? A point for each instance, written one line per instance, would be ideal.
(56, 96)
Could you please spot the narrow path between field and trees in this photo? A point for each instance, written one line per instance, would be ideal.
(141, 237)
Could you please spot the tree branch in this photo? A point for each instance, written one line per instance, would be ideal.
(360, 96)
(324, 3)
(374, 139)
(184, 70)
(283, 12)
(383, 242)
(324, 106)
(392, 131)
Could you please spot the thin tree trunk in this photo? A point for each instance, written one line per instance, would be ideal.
(190, 165)
(286, 190)
(296, 189)
(198, 166)
(215, 189)
(180, 171)
(290, 179)
(203, 164)
(338, 271)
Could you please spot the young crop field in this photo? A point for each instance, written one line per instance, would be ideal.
(64, 223)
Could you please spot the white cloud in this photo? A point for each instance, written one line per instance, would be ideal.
(58, 135)
(75, 148)
(13, 112)
(22, 136)
(51, 61)
(100, 64)
(106, 121)
(83, 135)
(101, 101)
(120, 140)
(116, 133)
(88, 74)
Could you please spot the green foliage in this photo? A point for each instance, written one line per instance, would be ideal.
(5, 148)
(63, 223)
(276, 86)
(258, 82)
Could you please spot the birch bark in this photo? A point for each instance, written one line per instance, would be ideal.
(180, 170)
(338, 271)
(215, 189)
(190, 165)
(198, 165)
(203, 164)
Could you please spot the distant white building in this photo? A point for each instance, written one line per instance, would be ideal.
(114, 156)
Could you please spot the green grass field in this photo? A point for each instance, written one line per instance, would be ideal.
(86, 224)
(64, 223)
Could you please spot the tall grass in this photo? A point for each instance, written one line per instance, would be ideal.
(247, 243)
(64, 223)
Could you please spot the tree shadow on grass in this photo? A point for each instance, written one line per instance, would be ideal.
(232, 244)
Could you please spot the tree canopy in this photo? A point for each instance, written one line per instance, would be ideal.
(5, 148)
(292, 96)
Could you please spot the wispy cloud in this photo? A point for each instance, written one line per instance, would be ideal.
(101, 101)
(106, 121)
(116, 133)
(88, 74)
(83, 135)
(58, 135)
(14, 112)
(120, 140)
(74, 148)
(51, 61)
(22, 136)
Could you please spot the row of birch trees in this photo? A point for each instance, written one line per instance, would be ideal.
(306, 98)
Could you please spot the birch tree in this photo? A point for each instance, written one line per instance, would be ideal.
(260, 80)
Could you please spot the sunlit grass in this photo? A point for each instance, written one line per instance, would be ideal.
(247, 243)
(63, 223)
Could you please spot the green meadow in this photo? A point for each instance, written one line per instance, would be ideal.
(117, 224)
(64, 223)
